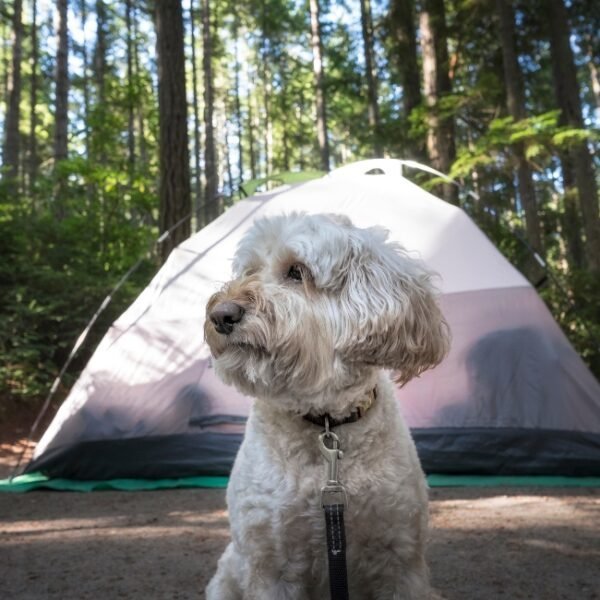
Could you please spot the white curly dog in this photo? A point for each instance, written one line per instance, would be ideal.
(316, 311)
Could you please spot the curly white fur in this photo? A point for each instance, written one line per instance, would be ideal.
(319, 346)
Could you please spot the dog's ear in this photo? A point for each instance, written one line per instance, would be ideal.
(400, 324)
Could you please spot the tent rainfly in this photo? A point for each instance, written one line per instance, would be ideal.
(512, 398)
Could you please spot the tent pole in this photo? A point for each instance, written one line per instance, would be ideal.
(83, 336)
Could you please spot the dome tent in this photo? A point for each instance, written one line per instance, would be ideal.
(512, 397)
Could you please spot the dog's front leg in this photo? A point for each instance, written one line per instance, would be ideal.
(275, 588)
(225, 584)
(407, 583)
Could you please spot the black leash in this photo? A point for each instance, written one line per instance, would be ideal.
(336, 551)
(333, 494)
(333, 500)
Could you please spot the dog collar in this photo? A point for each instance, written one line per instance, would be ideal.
(357, 413)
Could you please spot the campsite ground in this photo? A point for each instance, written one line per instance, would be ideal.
(486, 543)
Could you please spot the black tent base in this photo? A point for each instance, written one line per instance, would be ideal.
(448, 451)
(496, 451)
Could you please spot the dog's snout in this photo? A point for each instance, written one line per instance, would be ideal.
(225, 315)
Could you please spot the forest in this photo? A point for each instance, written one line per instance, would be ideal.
(127, 125)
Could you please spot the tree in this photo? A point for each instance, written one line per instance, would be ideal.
(237, 99)
(130, 89)
(211, 200)
(567, 97)
(371, 75)
(61, 115)
(265, 62)
(319, 75)
(197, 148)
(33, 89)
(437, 86)
(175, 202)
(402, 17)
(12, 140)
(100, 52)
(140, 105)
(515, 100)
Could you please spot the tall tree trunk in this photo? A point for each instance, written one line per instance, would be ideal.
(98, 146)
(319, 74)
(594, 78)
(567, 97)
(61, 115)
(251, 129)
(140, 104)
(301, 140)
(85, 83)
(12, 138)
(371, 73)
(211, 201)
(197, 149)
(90, 186)
(175, 203)
(33, 154)
(227, 153)
(402, 17)
(403, 24)
(4, 63)
(285, 109)
(515, 100)
(130, 91)
(265, 61)
(100, 52)
(436, 84)
(238, 102)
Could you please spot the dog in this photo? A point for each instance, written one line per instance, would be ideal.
(317, 313)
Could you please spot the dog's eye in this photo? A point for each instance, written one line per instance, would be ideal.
(295, 273)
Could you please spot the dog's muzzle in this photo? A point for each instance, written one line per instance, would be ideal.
(225, 315)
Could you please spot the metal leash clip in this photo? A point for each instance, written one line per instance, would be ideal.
(333, 492)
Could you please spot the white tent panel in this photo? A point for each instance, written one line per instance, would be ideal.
(512, 395)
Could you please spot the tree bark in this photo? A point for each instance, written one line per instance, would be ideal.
(140, 105)
(197, 149)
(85, 82)
(100, 53)
(319, 75)
(61, 115)
(251, 128)
(285, 108)
(436, 83)
(211, 200)
(33, 154)
(265, 61)
(402, 15)
(515, 101)
(175, 204)
(371, 73)
(238, 103)
(594, 78)
(12, 138)
(130, 91)
(567, 96)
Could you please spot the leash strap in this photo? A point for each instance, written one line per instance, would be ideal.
(333, 501)
(336, 551)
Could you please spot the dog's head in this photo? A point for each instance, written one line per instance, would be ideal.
(317, 304)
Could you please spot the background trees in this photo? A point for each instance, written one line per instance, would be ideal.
(97, 98)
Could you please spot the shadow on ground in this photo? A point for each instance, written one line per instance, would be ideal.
(485, 544)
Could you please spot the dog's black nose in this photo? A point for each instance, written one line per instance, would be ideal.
(225, 315)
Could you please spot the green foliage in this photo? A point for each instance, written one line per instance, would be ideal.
(53, 276)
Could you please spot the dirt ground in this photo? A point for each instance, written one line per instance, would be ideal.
(485, 543)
